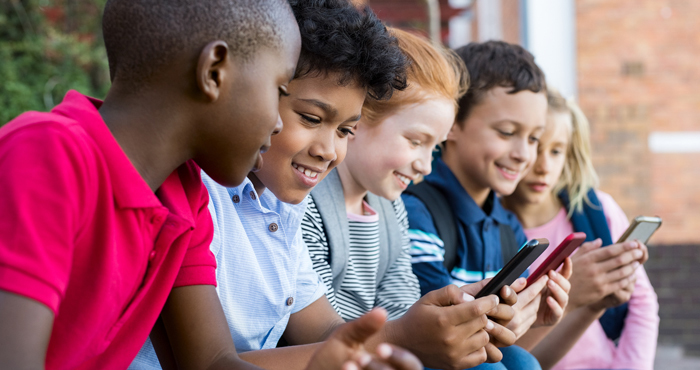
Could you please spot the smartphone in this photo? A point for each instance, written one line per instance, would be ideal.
(515, 267)
(641, 228)
(554, 260)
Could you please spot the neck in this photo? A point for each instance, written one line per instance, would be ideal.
(353, 192)
(478, 192)
(149, 129)
(257, 184)
(534, 214)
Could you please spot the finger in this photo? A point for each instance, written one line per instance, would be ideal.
(558, 293)
(473, 289)
(556, 307)
(448, 296)
(644, 248)
(501, 335)
(612, 251)
(518, 285)
(588, 247)
(493, 354)
(356, 332)
(623, 272)
(398, 358)
(508, 295)
(527, 295)
(501, 313)
(621, 259)
(469, 311)
(560, 281)
(567, 268)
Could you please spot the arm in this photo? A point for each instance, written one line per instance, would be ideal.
(25, 330)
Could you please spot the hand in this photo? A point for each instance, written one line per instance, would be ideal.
(556, 296)
(345, 348)
(446, 328)
(598, 272)
(527, 306)
(616, 298)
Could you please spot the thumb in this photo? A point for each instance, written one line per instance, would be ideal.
(358, 331)
(448, 296)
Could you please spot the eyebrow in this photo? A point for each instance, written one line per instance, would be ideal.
(324, 106)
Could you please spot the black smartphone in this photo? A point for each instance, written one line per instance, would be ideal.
(515, 267)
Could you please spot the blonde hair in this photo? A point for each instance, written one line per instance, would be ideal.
(433, 71)
(579, 176)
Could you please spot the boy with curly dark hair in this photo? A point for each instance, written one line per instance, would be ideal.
(266, 282)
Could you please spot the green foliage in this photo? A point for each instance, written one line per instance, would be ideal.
(46, 50)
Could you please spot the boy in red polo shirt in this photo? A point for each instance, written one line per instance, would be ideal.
(104, 223)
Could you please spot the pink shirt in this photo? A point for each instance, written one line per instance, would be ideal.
(82, 233)
(637, 345)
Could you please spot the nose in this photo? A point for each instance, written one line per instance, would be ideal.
(278, 126)
(521, 150)
(422, 164)
(541, 166)
(324, 148)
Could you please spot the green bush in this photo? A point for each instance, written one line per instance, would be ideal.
(46, 51)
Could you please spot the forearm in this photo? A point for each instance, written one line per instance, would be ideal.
(285, 358)
(533, 337)
(389, 333)
(564, 336)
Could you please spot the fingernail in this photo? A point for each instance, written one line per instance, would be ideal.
(635, 264)
(638, 254)
(364, 359)
(551, 284)
(351, 366)
(384, 350)
(496, 300)
(467, 298)
(490, 325)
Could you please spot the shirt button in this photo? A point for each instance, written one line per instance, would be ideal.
(486, 226)
(236, 198)
(290, 301)
(273, 227)
(152, 255)
(252, 195)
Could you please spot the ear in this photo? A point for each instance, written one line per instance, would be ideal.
(211, 68)
(454, 131)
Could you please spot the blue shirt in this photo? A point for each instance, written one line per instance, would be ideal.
(479, 250)
(264, 272)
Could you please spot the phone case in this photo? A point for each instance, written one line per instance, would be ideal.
(515, 267)
(554, 260)
(641, 228)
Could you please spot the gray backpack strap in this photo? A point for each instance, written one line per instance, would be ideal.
(390, 247)
(330, 202)
(509, 246)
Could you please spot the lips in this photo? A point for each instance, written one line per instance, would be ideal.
(508, 173)
(310, 173)
(404, 180)
(308, 176)
(538, 187)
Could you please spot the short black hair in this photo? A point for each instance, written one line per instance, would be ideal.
(336, 37)
(497, 63)
(142, 36)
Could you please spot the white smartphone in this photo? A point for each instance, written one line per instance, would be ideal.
(641, 228)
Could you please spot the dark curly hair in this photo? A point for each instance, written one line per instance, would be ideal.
(336, 37)
(497, 63)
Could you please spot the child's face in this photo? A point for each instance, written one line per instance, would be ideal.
(536, 187)
(318, 116)
(494, 147)
(384, 158)
(237, 129)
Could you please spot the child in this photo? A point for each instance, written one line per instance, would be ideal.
(104, 221)
(556, 198)
(266, 283)
(488, 150)
(357, 241)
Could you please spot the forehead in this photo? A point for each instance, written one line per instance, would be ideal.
(558, 128)
(341, 99)
(524, 107)
(432, 115)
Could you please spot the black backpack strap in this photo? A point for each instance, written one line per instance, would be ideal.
(509, 246)
(443, 218)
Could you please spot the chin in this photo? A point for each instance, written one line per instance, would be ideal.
(291, 197)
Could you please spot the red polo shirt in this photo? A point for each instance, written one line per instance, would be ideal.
(82, 233)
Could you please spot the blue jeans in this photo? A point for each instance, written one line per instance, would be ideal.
(514, 358)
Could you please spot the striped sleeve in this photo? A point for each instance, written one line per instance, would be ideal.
(399, 289)
(426, 248)
(315, 238)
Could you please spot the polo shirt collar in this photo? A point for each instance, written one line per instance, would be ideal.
(129, 188)
(465, 208)
(291, 214)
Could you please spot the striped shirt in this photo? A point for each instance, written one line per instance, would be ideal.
(360, 291)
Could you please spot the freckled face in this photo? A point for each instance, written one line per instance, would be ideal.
(318, 115)
(494, 147)
(385, 157)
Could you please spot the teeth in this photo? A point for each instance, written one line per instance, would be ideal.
(305, 171)
(507, 170)
(403, 178)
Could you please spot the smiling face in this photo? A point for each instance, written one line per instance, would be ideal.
(318, 115)
(383, 158)
(494, 147)
(536, 187)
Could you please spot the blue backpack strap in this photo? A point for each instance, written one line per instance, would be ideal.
(592, 221)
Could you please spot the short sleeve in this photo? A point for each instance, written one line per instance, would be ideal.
(41, 195)
(199, 264)
(309, 285)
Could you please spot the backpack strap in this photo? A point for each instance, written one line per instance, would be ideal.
(389, 234)
(443, 218)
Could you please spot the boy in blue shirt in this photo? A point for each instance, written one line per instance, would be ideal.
(489, 149)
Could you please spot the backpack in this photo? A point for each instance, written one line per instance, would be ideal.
(446, 224)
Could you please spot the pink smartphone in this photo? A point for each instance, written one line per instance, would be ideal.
(557, 257)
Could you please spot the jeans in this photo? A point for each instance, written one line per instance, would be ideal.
(514, 358)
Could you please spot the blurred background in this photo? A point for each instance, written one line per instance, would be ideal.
(633, 66)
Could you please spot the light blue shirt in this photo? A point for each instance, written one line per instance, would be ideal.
(264, 272)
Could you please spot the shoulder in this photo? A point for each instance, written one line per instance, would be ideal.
(312, 223)
(416, 209)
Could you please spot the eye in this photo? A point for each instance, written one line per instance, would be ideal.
(345, 131)
(505, 133)
(534, 140)
(283, 91)
(310, 119)
(556, 152)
